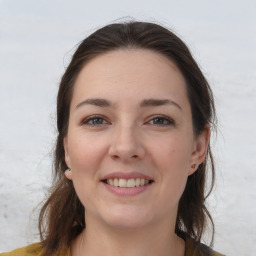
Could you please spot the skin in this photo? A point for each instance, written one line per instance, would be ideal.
(128, 136)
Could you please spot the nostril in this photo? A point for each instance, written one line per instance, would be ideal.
(126, 152)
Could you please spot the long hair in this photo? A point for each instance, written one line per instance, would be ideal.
(62, 216)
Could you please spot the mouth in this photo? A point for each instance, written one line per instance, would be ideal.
(127, 183)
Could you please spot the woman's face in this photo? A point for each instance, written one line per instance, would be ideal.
(130, 142)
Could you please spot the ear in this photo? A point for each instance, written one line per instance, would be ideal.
(200, 149)
(68, 174)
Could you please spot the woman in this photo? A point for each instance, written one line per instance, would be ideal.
(134, 116)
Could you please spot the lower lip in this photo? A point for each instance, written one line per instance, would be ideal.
(127, 191)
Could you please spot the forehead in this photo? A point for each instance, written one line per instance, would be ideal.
(126, 73)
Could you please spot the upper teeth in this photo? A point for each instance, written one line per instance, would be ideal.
(130, 183)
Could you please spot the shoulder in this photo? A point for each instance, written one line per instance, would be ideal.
(30, 250)
(194, 248)
(35, 249)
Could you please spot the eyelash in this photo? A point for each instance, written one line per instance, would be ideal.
(87, 120)
(165, 121)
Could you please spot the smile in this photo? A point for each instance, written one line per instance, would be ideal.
(127, 183)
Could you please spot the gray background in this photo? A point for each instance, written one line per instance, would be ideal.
(37, 39)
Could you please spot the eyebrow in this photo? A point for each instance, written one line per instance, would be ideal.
(159, 102)
(145, 103)
(95, 102)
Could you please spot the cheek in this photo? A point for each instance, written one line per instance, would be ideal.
(172, 160)
(172, 154)
(86, 153)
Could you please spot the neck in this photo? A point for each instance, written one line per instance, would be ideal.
(150, 241)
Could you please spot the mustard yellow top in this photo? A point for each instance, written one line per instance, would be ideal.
(192, 249)
(33, 250)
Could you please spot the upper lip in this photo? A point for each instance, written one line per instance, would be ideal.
(126, 175)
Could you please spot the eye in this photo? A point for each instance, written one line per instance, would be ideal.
(161, 121)
(94, 121)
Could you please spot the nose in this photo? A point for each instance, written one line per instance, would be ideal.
(126, 144)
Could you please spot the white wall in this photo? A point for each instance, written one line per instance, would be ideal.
(36, 42)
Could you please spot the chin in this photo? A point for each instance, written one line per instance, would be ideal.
(126, 218)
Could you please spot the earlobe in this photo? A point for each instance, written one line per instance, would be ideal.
(68, 174)
(192, 169)
(65, 145)
(200, 149)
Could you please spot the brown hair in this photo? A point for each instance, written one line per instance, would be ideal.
(62, 215)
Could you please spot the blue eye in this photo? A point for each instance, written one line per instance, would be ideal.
(94, 121)
(161, 121)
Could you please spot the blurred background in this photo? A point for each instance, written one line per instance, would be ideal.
(37, 39)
